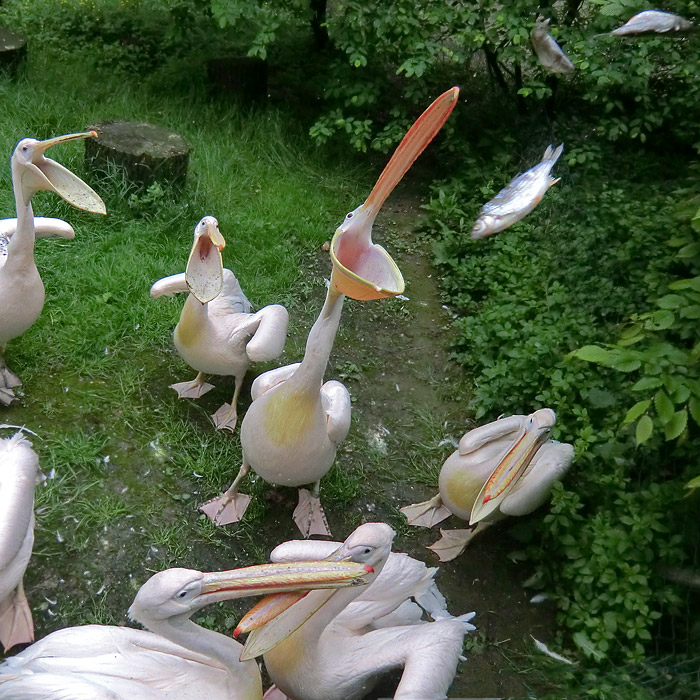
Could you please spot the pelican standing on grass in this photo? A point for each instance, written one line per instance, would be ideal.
(504, 468)
(21, 288)
(218, 333)
(19, 474)
(177, 659)
(336, 645)
(291, 431)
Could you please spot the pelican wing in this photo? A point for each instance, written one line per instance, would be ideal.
(169, 286)
(19, 469)
(115, 656)
(336, 404)
(44, 227)
(550, 463)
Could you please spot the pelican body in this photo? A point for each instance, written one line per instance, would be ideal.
(177, 659)
(291, 431)
(337, 645)
(504, 468)
(218, 333)
(19, 474)
(21, 287)
(549, 53)
(518, 198)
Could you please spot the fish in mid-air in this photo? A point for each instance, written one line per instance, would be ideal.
(653, 21)
(549, 53)
(519, 198)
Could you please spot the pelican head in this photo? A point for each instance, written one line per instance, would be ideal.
(369, 544)
(362, 269)
(175, 592)
(32, 171)
(513, 463)
(205, 270)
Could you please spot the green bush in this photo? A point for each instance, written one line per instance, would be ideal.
(572, 273)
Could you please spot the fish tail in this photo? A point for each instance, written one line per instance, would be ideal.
(553, 156)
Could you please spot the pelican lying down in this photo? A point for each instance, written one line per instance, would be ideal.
(177, 659)
(342, 642)
(504, 468)
(19, 473)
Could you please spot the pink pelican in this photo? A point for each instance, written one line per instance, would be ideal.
(19, 474)
(295, 423)
(504, 468)
(21, 288)
(335, 646)
(177, 659)
(218, 333)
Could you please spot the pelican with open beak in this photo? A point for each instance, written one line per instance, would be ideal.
(503, 468)
(291, 431)
(218, 332)
(177, 659)
(21, 288)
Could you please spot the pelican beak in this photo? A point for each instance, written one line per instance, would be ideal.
(362, 269)
(205, 270)
(275, 609)
(513, 464)
(49, 175)
(281, 578)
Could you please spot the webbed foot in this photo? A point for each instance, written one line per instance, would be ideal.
(309, 516)
(452, 543)
(226, 509)
(16, 624)
(8, 381)
(225, 417)
(427, 513)
(194, 389)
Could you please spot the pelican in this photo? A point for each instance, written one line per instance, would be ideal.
(291, 430)
(335, 646)
(506, 467)
(177, 659)
(21, 288)
(19, 474)
(218, 333)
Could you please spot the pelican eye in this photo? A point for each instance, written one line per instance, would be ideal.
(349, 216)
(182, 594)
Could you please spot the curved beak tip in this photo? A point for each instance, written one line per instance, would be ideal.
(369, 569)
(237, 632)
(94, 134)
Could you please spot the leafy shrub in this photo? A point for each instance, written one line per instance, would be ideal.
(570, 274)
(663, 345)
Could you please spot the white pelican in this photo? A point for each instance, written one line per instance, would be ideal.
(504, 468)
(19, 474)
(21, 288)
(218, 333)
(177, 659)
(292, 428)
(336, 646)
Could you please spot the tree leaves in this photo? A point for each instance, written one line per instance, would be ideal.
(645, 427)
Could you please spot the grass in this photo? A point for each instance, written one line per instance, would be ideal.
(129, 462)
(127, 459)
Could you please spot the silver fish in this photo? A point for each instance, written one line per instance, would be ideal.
(548, 52)
(653, 21)
(519, 198)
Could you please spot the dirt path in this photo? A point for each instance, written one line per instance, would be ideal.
(409, 409)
